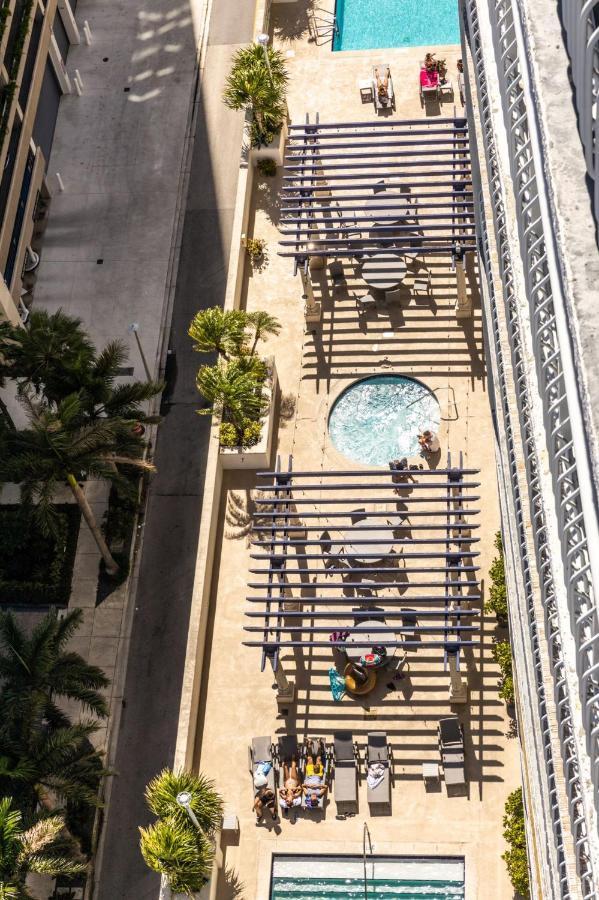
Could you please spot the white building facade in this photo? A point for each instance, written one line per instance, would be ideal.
(531, 86)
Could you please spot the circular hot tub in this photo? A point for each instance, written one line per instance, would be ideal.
(378, 419)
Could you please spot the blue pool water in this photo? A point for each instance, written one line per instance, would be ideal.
(379, 419)
(374, 24)
(341, 878)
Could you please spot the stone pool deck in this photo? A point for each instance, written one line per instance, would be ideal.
(422, 339)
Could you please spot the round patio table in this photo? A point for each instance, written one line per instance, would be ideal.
(372, 636)
(362, 532)
(389, 212)
(384, 271)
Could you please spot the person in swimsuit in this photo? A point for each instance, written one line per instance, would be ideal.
(291, 792)
(314, 787)
(382, 86)
(264, 798)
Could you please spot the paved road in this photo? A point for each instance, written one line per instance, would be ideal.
(146, 740)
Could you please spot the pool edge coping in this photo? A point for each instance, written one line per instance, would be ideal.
(268, 848)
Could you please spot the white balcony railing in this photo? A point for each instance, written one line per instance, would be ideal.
(560, 498)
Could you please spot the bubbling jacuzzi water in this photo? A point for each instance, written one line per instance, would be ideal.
(378, 419)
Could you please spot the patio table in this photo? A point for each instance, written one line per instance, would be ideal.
(385, 271)
(372, 636)
(389, 212)
(365, 533)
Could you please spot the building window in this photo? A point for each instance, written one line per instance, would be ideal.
(18, 226)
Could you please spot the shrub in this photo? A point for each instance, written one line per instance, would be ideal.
(228, 435)
(252, 84)
(498, 594)
(502, 654)
(251, 433)
(36, 568)
(514, 833)
(255, 248)
(267, 167)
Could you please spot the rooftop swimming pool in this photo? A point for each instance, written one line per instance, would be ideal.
(378, 419)
(377, 24)
(342, 877)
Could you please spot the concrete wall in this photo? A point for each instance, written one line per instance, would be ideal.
(194, 659)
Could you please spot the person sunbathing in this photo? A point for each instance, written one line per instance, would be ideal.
(291, 792)
(314, 787)
(382, 86)
(429, 77)
(264, 798)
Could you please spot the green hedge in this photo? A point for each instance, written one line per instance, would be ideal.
(516, 858)
(498, 593)
(36, 569)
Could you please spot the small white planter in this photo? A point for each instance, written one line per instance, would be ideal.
(275, 150)
(258, 456)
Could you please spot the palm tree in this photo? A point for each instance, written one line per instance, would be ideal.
(37, 670)
(206, 803)
(214, 330)
(263, 324)
(42, 848)
(6, 331)
(42, 752)
(173, 850)
(232, 391)
(252, 84)
(56, 449)
(101, 397)
(47, 355)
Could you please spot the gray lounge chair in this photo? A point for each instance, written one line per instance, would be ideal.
(346, 771)
(314, 748)
(379, 751)
(390, 102)
(451, 745)
(261, 751)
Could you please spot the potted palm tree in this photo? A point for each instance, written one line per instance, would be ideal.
(181, 844)
(240, 388)
(257, 83)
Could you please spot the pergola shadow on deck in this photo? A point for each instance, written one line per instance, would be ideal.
(335, 550)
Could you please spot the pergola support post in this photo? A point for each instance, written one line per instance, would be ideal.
(463, 307)
(285, 688)
(458, 689)
(312, 307)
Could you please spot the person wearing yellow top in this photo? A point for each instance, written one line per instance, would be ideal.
(314, 768)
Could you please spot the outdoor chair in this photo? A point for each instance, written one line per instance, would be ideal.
(317, 747)
(379, 751)
(380, 104)
(287, 749)
(366, 302)
(261, 751)
(379, 188)
(337, 275)
(397, 664)
(356, 515)
(346, 756)
(428, 84)
(421, 286)
(451, 745)
(461, 88)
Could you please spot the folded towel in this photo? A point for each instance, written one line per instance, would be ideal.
(376, 773)
(429, 78)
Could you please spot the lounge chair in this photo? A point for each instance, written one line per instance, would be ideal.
(345, 753)
(451, 745)
(288, 748)
(261, 751)
(317, 747)
(380, 104)
(378, 752)
(429, 84)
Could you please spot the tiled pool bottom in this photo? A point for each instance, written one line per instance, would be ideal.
(370, 25)
(339, 877)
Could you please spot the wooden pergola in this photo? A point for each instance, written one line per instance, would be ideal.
(310, 585)
(358, 188)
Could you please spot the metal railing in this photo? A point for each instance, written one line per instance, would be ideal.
(580, 20)
(561, 446)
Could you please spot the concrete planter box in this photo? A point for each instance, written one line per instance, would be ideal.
(256, 457)
(275, 150)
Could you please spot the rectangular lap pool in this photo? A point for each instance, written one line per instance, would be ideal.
(374, 24)
(340, 877)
